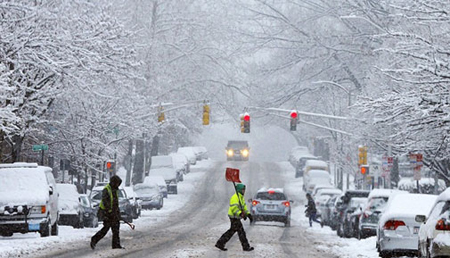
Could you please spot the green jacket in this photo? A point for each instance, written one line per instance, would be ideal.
(106, 203)
(236, 204)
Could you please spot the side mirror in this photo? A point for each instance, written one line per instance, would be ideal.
(50, 190)
(420, 218)
(291, 201)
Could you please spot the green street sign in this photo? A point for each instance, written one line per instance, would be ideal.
(40, 147)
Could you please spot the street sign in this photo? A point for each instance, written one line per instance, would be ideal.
(40, 147)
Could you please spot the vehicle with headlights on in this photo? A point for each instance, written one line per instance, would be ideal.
(271, 204)
(237, 150)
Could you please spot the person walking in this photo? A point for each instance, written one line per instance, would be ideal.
(237, 211)
(311, 210)
(110, 213)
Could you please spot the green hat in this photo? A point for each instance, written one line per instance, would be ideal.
(240, 187)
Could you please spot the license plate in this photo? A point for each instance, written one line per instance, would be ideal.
(33, 226)
(270, 206)
(416, 230)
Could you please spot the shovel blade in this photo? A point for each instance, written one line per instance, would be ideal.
(232, 175)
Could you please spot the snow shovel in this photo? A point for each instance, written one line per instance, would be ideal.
(232, 175)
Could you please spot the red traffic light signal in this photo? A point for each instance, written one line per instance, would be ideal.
(364, 170)
(246, 117)
(294, 114)
(109, 165)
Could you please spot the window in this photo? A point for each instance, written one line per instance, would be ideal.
(270, 196)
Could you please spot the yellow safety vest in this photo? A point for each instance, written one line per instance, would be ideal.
(102, 206)
(236, 204)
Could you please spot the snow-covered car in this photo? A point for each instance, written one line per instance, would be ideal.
(328, 212)
(434, 232)
(190, 154)
(271, 204)
(201, 152)
(126, 211)
(316, 177)
(159, 180)
(163, 166)
(89, 212)
(301, 161)
(28, 199)
(237, 150)
(397, 231)
(70, 209)
(180, 162)
(313, 164)
(149, 196)
(135, 204)
(295, 154)
(322, 190)
(342, 205)
(366, 223)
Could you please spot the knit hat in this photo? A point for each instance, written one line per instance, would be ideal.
(240, 187)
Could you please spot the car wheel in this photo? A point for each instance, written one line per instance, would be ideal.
(55, 229)
(385, 254)
(45, 231)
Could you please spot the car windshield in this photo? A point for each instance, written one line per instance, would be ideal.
(97, 194)
(237, 145)
(377, 203)
(356, 202)
(146, 190)
(270, 196)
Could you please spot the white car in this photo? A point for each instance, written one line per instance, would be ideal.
(316, 177)
(28, 199)
(163, 166)
(397, 231)
(190, 154)
(159, 180)
(70, 209)
(434, 232)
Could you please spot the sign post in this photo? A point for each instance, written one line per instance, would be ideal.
(42, 148)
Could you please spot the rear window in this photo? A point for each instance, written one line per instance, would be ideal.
(270, 196)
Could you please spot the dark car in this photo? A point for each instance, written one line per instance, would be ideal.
(126, 210)
(352, 214)
(237, 150)
(271, 204)
(89, 212)
(343, 205)
(149, 195)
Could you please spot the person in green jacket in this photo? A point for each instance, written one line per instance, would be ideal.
(237, 211)
(110, 213)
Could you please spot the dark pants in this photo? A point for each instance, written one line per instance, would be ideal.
(108, 223)
(312, 217)
(236, 226)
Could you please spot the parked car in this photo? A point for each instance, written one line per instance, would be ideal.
(271, 204)
(316, 177)
(163, 166)
(366, 223)
(149, 196)
(346, 227)
(190, 154)
(313, 164)
(329, 212)
(159, 180)
(202, 152)
(30, 206)
(295, 153)
(89, 212)
(397, 231)
(135, 204)
(434, 237)
(321, 198)
(237, 150)
(126, 211)
(70, 209)
(180, 162)
(322, 189)
(342, 205)
(301, 161)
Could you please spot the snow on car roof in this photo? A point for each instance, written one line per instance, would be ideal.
(407, 205)
(265, 189)
(329, 190)
(318, 173)
(384, 192)
(67, 191)
(315, 162)
(23, 185)
(161, 161)
(157, 179)
(444, 196)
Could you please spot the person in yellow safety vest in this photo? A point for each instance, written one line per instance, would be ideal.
(237, 211)
(110, 213)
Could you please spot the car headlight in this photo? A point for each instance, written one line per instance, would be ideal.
(230, 153)
(245, 153)
(38, 209)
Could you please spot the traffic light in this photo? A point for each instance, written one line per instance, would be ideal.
(294, 120)
(206, 114)
(246, 123)
(364, 170)
(362, 155)
(111, 167)
(161, 116)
